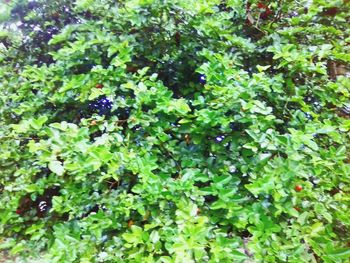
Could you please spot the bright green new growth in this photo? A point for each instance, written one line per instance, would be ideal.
(178, 171)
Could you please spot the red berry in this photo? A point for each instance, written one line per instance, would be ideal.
(130, 223)
(261, 6)
(18, 211)
(56, 15)
(297, 208)
(177, 38)
(188, 139)
(298, 188)
(265, 11)
(99, 86)
(332, 11)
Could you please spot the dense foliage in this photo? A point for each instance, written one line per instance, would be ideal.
(175, 131)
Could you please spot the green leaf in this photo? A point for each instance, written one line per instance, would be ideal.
(83, 4)
(218, 205)
(95, 93)
(263, 68)
(101, 153)
(180, 169)
(239, 255)
(31, 188)
(56, 167)
(154, 236)
(180, 106)
(135, 237)
(38, 123)
(340, 253)
(57, 202)
(292, 211)
(316, 228)
(18, 248)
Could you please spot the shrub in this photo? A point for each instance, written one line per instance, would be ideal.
(175, 131)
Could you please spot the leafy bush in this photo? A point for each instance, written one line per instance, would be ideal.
(175, 131)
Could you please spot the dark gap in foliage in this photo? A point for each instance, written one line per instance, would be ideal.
(70, 111)
(44, 172)
(42, 204)
(210, 199)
